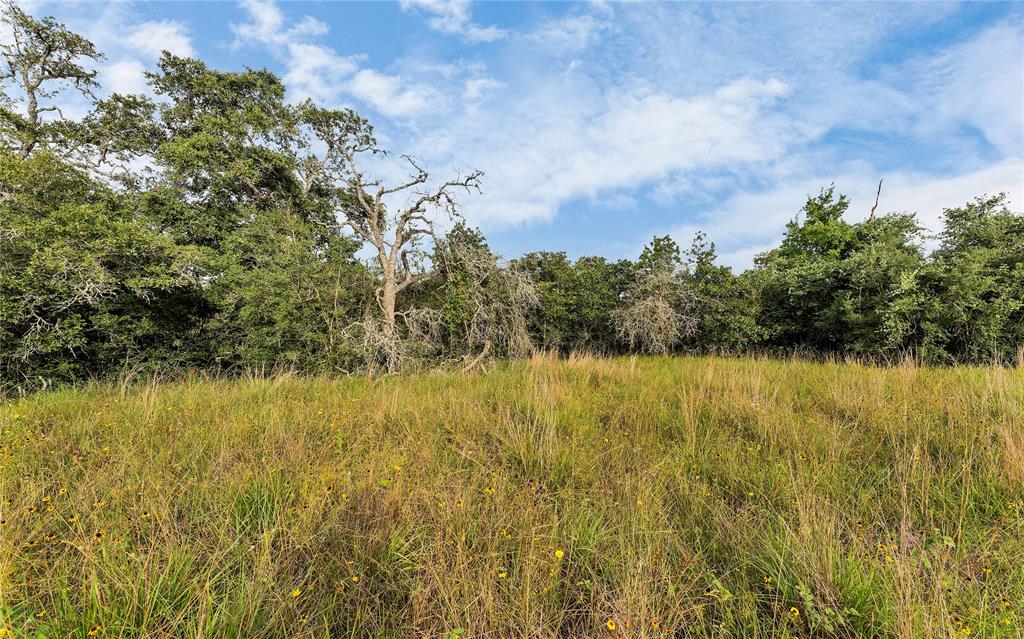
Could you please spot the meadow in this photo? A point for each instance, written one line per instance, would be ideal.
(633, 497)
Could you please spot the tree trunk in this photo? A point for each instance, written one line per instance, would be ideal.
(387, 303)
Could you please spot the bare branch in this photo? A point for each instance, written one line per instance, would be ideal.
(879, 193)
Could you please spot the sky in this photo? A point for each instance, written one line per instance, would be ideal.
(599, 124)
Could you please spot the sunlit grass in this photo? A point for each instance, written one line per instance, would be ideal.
(684, 497)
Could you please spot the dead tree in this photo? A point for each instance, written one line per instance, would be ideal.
(393, 220)
(878, 194)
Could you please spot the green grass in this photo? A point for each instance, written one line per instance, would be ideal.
(685, 497)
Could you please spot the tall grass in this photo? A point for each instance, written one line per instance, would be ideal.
(662, 497)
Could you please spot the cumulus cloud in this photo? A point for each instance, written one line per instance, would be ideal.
(539, 157)
(152, 38)
(454, 17)
(267, 26)
(388, 95)
(477, 88)
(571, 33)
(317, 72)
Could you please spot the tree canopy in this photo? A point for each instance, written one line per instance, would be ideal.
(215, 225)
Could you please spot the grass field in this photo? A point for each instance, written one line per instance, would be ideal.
(685, 497)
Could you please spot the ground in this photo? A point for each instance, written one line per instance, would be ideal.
(657, 497)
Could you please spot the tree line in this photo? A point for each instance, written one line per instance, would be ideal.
(214, 225)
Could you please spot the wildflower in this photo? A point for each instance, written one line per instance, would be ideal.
(63, 491)
(50, 536)
(31, 543)
(610, 624)
(71, 519)
(966, 631)
(987, 570)
(1006, 621)
(767, 579)
(95, 630)
(502, 574)
(145, 515)
(295, 592)
(489, 490)
(354, 578)
(4, 632)
(794, 613)
(99, 503)
(100, 534)
(46, 498)
(559, 553)
(1005, 602)
(32, 509)
(40, 614)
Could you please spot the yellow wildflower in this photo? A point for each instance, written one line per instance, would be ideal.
(296, 592)
(559, 553)
(610, 624)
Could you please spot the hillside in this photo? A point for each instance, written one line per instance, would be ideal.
(686, 497)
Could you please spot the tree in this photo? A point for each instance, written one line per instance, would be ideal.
(86, 285)
(828, 286)
(483, 303)
(394, 229)
(971, 296)
(41, 63)
(657, 311)
(286, 296)
(724, 306)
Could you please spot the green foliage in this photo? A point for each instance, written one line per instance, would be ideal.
(970, 298)
(86, 286)
(576, 300)
(219, 227)
(829, 285)
(724, 305)
(286, 295)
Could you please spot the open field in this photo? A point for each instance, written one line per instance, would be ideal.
(686, 497)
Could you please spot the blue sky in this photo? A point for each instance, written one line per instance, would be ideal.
(600, 124)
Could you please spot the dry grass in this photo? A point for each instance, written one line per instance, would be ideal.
(693, 497)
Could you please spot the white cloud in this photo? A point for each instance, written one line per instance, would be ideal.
(267, 25)
(125, 76)
(152, 38)
(389, 95)
(978, 83)
(477, 88)
(317, 72)
(544, 150)
(571, 33)
(454, 17)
